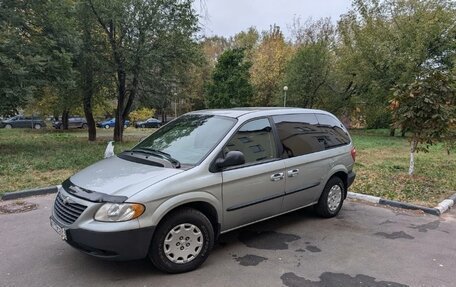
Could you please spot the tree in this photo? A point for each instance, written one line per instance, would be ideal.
(269, 60)
(388, 43)
(230, 86)
(143, 37)
(426, 108)
(35, 50)
(306, 74)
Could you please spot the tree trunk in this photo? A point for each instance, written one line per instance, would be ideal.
(403, 131)
(92, 129)
(87, 105)
(88, 83)
(121, 82)
(392, 132)
(163, 116)
(413, 145)
(65, 115)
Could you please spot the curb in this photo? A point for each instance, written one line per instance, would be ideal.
(442, 207)
(29, 192)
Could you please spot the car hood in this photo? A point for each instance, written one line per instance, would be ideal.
(116, 176)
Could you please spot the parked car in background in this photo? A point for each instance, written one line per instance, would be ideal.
(149, 123)
(110, 123)
(73, 122)
(20, 121)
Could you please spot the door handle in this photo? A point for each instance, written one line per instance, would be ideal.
(293, 172)
(277, 176)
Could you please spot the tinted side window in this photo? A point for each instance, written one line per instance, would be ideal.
(255, 140)
(334, 132)
(299, 134)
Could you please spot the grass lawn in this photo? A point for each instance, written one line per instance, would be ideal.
(37, 158)
(382, 169)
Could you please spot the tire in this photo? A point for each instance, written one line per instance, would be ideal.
(106, 126)
(143, 126)
(8, 126)
(37, 126)
(84, 126)
(332, 198)
(192, 223)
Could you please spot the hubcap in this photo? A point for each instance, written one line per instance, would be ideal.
(334, 197)
(183, 243)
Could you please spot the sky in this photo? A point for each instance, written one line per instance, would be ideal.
(228, 17)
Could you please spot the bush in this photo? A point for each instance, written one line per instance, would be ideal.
(141, 114)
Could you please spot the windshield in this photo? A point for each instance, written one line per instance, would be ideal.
(189, 138)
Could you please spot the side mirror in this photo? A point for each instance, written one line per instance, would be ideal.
(232, 158)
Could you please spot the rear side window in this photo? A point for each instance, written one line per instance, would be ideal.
(255, 140)
(299, 134)
(334, 133)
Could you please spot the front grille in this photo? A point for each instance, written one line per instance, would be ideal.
(67, 212)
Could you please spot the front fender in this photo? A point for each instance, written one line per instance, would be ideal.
(171, 203)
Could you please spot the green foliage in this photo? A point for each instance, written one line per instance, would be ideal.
(269, 61)
(37, 46)
(306, 74)
(388, 43)
(426, 107)
(230, 86)
(149, 43)
(141, 114)
(30, 54)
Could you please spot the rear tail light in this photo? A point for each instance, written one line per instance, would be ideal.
(353, 153)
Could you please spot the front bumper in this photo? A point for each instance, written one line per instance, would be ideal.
(120, 245)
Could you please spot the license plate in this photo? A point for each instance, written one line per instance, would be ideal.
(60, 230)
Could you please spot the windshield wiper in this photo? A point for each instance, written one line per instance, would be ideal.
(160, 154)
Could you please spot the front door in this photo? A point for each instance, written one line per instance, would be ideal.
(254, 190)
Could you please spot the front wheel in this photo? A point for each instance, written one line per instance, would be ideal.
(8, 126)
(182, 241)
(332, 198)
(37, 126)
(106, 126)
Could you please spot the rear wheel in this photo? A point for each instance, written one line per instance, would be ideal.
(37, 126)
(332, 198)
(84, 126)
(182, 241)
(143, 126)
(106, 126)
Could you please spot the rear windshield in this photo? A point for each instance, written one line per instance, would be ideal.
(189, 138)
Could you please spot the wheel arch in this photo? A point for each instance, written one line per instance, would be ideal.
(342, 173)
(201, 201)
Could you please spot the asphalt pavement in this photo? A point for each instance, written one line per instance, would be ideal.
(364, 246)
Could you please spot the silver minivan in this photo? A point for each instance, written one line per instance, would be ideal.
(204, 174)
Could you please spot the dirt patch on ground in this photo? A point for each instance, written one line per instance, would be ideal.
(16, 207)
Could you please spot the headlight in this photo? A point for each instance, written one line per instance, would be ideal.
(115, 212)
